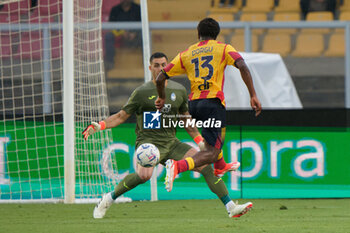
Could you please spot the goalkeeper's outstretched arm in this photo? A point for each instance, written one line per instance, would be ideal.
(116, 119)
(110, 122)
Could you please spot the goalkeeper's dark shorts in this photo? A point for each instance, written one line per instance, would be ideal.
(214, 111)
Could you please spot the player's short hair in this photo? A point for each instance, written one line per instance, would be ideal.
(157, 55)
(208, 27)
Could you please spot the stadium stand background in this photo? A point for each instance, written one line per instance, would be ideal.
(314, 57)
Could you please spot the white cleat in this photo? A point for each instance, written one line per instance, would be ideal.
(102, 206)
(171, 173)
(239, 210)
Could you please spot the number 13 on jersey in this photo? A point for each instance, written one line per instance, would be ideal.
(205, 64)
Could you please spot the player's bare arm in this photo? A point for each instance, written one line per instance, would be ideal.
(160, 82)
(193, 131)
(247, 78)
(110, 122)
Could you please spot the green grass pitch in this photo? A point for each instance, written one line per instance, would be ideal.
(180, 216)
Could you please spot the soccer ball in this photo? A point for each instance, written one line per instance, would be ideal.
(147, 155)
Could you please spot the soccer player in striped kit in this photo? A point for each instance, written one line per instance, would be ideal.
(204, 64)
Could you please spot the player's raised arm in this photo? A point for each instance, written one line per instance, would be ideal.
(160, 82)
(247, 78)
(174, 68)
(110, 122)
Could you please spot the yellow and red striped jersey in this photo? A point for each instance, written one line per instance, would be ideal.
(204, 64)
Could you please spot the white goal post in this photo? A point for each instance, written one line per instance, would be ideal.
(52, 86)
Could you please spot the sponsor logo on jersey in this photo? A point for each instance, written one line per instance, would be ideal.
(151, 97)
(166, 108)
(205, 86)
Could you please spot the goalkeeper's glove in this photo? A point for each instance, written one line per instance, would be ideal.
(200, 142)
(93, 128)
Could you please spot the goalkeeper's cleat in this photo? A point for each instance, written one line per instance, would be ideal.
(171, 173)
(239, 210)
(102, 206)
(229, 167)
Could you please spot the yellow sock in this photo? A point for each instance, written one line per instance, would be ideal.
(190, 163)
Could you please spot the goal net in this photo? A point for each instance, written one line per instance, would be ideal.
(31, 106)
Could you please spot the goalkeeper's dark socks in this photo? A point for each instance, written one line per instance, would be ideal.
(113, 195)
(220, 163)
(225, 199)
(185, 165)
